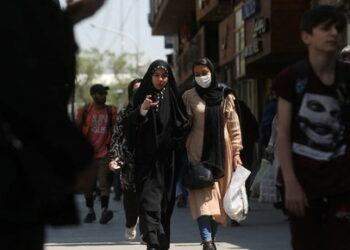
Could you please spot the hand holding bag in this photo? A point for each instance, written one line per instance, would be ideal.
(197, 175)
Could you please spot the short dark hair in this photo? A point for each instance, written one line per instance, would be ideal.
(131, 86)
(98, 89)
(321, 14)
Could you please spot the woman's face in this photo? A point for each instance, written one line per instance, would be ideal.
(159, 79)
(201, 70)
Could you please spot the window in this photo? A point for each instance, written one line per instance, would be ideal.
(240, 43)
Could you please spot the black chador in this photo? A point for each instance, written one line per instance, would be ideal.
(155, 139)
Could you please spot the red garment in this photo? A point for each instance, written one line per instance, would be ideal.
(320, 150)
(96, 128)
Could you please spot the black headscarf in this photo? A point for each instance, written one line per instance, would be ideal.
(213, 144)
(168, 118)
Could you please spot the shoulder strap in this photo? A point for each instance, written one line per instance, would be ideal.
(342, 82)
(300, 83)
(84, 115)
(302, 77)
(110, 116)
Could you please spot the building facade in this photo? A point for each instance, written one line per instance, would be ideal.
(249, 41)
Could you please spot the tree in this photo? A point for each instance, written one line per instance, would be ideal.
(93, 63)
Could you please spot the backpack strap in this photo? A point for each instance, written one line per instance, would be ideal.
(342, 83)
(300, 83)
(342, 86)
(110, 116)
(84, 115)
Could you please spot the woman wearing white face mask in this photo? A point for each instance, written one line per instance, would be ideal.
(215, 137)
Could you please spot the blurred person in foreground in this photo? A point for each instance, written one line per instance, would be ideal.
(313, 136)
(41, 150)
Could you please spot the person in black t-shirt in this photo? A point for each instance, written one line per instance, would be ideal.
(313, 140)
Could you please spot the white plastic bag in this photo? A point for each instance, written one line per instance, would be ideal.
(235, 199)
(267, 188)
(255, 187)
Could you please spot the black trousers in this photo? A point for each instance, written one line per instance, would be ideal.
(325, 225)
(130, 207)
(21, 236)
(155, 186)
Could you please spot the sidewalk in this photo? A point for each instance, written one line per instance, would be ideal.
(264, 229)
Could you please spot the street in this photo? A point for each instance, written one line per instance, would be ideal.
(264, 229)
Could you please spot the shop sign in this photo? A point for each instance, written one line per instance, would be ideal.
(250, 8)
(261, 26)
(253, 49)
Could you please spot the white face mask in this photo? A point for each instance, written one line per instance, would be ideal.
(203, 81)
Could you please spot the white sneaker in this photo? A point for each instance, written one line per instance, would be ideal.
(130, 232)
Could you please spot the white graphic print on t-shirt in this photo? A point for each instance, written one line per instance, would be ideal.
(321, 130)
(99, 123)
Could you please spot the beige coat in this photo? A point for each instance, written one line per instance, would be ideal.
(209, 201)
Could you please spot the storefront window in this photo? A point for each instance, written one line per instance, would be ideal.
(240, 43)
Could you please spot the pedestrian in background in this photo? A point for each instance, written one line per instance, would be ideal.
(41, 150)
(160, 124)
(122, 157)
(209, 109)
(345, 54)
(97, 120)
(313, 135)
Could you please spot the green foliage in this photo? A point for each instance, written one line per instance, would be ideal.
(92, 63)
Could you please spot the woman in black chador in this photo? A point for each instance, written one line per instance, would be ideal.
(161, 125)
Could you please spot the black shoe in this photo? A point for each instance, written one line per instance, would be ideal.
(208, 245)
(235, 223)
(151, 248)
(106, 216)
(90, 217)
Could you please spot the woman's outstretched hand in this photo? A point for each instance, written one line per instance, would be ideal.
(147, 103)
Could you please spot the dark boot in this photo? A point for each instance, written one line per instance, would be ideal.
(90, 217)
(208, 245)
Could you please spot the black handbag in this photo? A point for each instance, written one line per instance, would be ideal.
(197, 175)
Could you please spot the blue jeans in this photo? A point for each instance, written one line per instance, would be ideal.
(207, 227)
(180, 189)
